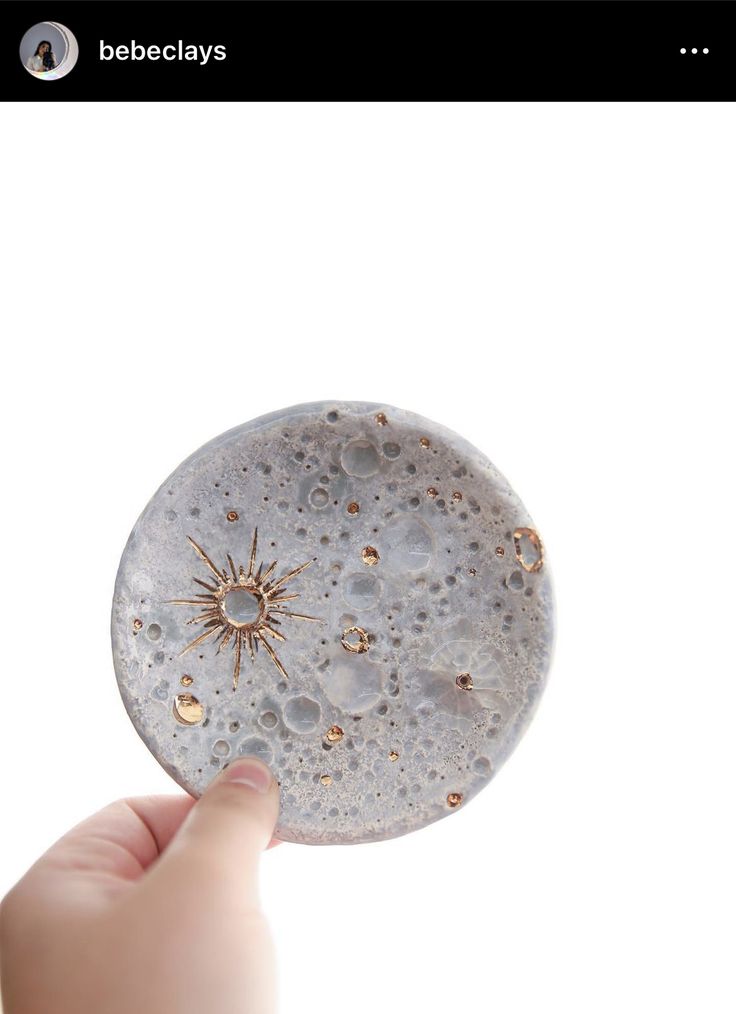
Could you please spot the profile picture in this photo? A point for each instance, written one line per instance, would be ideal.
(49, 50)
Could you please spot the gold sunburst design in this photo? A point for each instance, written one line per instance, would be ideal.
(243, 608)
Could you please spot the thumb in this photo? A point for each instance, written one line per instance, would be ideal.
(225, 832)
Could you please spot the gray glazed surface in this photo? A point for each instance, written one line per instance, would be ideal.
(448, 596)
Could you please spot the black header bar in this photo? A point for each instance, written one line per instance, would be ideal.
(362, 50)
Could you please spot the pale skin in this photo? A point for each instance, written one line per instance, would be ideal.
(148, 907)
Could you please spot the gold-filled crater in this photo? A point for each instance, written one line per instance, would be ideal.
(187, 709)
(529, 549)
(464, 680)
(355, 640)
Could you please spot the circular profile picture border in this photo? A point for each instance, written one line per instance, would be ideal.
(64, 50)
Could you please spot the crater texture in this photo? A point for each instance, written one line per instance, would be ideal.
(353, 594)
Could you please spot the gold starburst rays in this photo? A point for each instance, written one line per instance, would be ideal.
(243, 608)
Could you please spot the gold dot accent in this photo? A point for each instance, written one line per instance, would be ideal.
(381, 419)
(393, 756)
(472, 572)
(454, 799)
(425, 442)
(137, 624)
(356, 647)
(232, 515)
(536, 564)
(186, 681)
(500, 551)
(353, 507)
(457, 496)
(326, 779)
(370, 556)
(187, 709)
(334, 734)
(464, 680)
(432, 492)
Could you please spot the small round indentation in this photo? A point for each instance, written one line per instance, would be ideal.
(362, 591)
(268, 719)
(391, 450)
(256, 747)
(302, 714)
(360, 458)
(319, 497)
(221, 748)
(153, 632)
(408, 544)
(355, 685)
(241, 607)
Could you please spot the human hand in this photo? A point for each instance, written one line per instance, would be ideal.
(148, 907)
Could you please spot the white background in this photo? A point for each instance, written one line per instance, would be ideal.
(556, 283)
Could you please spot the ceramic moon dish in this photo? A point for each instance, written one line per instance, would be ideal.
(353, 594)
